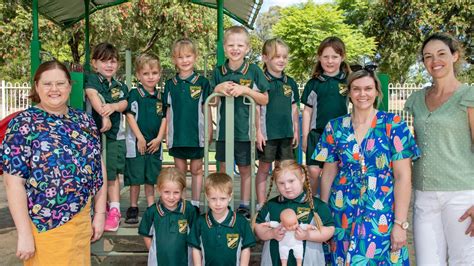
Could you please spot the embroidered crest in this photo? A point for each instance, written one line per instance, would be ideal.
(245, 82)
(303, 213)
(343, 89)
(116, 93)
(232, 240)
(183, 226)
(195, 91)
(159, 108)
(287, 90)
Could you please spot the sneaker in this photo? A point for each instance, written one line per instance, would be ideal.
(113, 220)
(245, 211)
(132, 215)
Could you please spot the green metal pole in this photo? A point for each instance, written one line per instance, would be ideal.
(35, 45)
(220, 32)
(87, 52)
(384, 79)
(128, 68)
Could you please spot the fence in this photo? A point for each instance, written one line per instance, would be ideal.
(397, 96)
(14, 97)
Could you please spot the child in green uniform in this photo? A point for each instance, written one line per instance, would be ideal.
(108, 98)
(324, 98)
(146, 128)
(295, 193)
(238, 78)
(277, 132)
(222, 236)
(166, 224)
(185, 94)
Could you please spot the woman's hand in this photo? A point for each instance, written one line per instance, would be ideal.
(98, 226)
(469, 213)
(398, 237)
(25, 246)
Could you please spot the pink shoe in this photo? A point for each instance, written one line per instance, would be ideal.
(113, 220)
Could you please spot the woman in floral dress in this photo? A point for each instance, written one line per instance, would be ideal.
(367, 178)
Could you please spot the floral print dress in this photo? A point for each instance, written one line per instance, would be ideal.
(362, 194)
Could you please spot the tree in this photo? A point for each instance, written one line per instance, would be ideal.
(265, 22)
(399, 27)
(304, 26)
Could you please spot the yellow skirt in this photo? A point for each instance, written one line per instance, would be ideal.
(68, 244)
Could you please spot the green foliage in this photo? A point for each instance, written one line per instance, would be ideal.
(399, 27)
(265, 22)
(303, 27)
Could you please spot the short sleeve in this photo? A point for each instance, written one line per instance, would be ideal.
(247, 234)
(402, 142)
(194, 237)
(309, 96)
(206, 90)
(98, 174)
(192, 215)
(16, 153)
(214, 81)
(467, 99)
(325, 150)
(124, 89)
(324, 212)
(263, 215)
(410, 103)
(260, 80)
(296, 93)
(132, 104)
(146, 224)
(91, 81)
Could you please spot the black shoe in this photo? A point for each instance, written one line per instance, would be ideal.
(132, 215)
(244, 211)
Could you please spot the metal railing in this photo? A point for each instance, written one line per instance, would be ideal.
(13, 97)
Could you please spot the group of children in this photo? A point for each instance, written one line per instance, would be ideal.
(171, 226)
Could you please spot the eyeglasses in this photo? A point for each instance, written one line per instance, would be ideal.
(369, 68)
(58, 84)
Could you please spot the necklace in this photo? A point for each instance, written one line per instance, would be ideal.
(359, 146)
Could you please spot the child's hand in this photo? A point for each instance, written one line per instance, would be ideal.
(141, 145)
(107, 109)
(238, 90)
(106, 124)
(260, 141)
(295, 141)
(278, 233)
(225, 87)
(153, 145)
(301, 234)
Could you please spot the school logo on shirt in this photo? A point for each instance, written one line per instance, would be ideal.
(343, 90)
(116, 93)
(287, 90)
(195, 91)
(303, 213)
(232, 240)
(245, 82)
(183, 226)
(159, 108)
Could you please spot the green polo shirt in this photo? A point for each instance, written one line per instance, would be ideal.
(324, 95)
(249, 75)
(271, 212)
(185, 99)
(276, 120)
(169, 230)
(221, 243)
(112, 92)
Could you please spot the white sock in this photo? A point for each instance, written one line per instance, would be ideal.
(114, 205)
(258, 207)
(195, 203)
(245, 203)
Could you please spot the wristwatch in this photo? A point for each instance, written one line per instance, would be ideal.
(404, 225)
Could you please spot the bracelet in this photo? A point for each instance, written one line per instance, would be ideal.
(99, 213)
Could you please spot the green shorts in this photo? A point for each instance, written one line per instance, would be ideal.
(241, 152)
(115, 158)
(277, 150)
(187, 152)
(313, 139)
(143, 169)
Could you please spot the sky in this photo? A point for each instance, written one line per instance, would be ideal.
(283, 3)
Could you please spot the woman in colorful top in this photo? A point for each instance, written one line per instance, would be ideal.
(444, 176)
(367, 178)
(52, 170)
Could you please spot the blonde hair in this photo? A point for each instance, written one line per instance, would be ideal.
(299, 171)
(339, 47)
(147, 59)
(269, 48)
(219, 181)
(364, 73)
(183, 44)
(171, 174)
(237, 30)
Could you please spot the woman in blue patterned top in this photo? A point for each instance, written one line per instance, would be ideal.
(53, 172)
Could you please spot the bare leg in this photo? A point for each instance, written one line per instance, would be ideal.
(244, 182)
(299, 262)
(150, 194)
(134, 193)
(261, 181)
(196, 172)
(284, 262)
(314, 172)
(182, 165)
(113, 190)
(222, 167)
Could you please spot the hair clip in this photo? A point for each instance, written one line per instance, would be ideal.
(369, 68)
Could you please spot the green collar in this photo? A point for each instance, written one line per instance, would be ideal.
(225, 69)
(162, 210)
(193, 78)
(103, 80)
(300, 199)
(270, 77)
(229, 220)
(340, 76)
(144, 93)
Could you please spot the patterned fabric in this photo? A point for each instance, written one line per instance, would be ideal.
(362, 194)
(59, 156)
